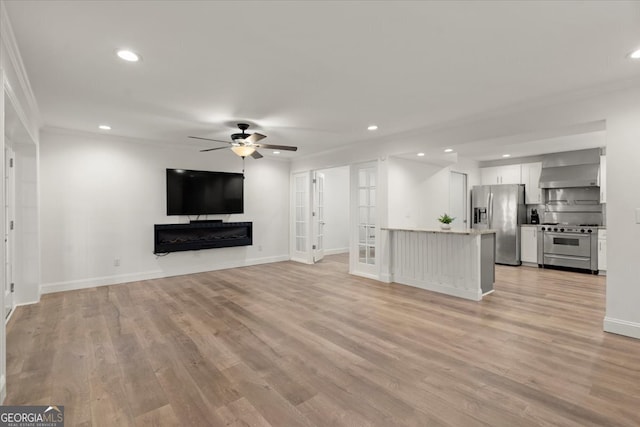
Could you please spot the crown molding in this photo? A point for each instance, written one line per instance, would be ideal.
(10, 45)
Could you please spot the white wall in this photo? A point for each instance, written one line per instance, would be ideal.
(623, 224)
(411, 195)
(336, 209)
(419, 191)
(101, 196)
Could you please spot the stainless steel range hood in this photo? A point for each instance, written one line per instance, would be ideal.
(569, 176)
(573, 169)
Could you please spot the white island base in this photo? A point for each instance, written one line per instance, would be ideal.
(453, 262)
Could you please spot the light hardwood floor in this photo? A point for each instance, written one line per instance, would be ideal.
(288, 344)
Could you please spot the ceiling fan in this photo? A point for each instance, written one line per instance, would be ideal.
(245, 144)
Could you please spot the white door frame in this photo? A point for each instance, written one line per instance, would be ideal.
(9, 232)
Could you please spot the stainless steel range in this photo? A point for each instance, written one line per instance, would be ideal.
(574, 246)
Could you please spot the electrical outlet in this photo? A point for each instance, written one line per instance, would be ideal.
(116, 262)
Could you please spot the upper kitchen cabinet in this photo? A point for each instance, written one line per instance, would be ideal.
(509, 174)
(603, 179)
(531, 180)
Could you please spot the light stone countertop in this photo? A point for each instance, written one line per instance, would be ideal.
(468, 231)
(599, 227)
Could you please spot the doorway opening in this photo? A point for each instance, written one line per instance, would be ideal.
(330, 212)
(458, 200)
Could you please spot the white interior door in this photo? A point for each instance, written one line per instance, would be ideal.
(300, 233)
(318, 216)
(9, 210)
(458, 200)
(365, 228)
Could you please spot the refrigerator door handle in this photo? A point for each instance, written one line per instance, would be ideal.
(490, 206)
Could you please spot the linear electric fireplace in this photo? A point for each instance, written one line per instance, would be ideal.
(201, 235)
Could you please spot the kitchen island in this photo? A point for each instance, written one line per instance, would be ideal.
(460, 263)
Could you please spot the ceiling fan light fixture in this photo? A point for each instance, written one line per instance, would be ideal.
(243, 150)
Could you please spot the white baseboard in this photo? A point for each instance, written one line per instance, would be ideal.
(622, 327)
(366, 275)
(47, 288)
(72, 285)
(336, 251)
(529, 264)
(385, 277)
(28, 303)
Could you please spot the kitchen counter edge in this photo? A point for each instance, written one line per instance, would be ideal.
(466, 231)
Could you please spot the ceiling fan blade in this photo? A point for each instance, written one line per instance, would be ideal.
(254, 137)
(256, 155)
(212, 149)
(209, 139)
(277, 147)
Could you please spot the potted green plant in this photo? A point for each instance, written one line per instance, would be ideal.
(445, 221)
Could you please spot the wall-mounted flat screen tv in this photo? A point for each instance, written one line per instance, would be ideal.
(192, 192)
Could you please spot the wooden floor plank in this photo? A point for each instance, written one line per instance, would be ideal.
(294, 344)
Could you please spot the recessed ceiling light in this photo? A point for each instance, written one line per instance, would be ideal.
(276, 152)
(128, 55)
(448, 150)
(635, 54)
(506, 155)
(420, 154)
(104, 127)
(373, 127)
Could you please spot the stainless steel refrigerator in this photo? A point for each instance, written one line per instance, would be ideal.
(500, 208)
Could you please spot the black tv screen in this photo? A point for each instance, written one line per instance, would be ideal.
(192, 192)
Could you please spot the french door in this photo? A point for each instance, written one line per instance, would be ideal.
(364, 257)
(318, 216)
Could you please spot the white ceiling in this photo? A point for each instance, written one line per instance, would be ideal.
(312, 74)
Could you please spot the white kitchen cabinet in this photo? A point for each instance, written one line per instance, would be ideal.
(531, 179)
(603, 179)
(509, 174)
(602, 250)
(529, 244)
